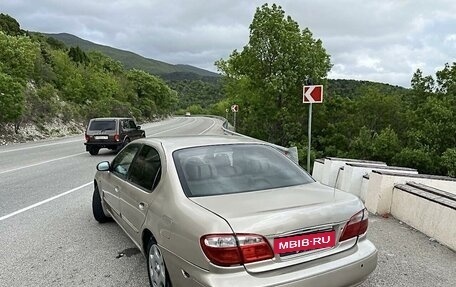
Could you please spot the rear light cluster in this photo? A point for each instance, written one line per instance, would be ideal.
(356, 226)
(230, 249)
(116, 137)
(87, 138)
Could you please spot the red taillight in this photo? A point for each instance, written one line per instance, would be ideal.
(87, 138)
(356, 226)
(116, 137)
(229, 249)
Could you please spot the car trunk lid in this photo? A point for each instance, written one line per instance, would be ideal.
(285, 212)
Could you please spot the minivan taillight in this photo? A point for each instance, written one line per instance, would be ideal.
(116, 137)
(230, 249)
(356, 226)
(87, 138)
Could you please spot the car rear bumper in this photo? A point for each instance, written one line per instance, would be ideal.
(111, 145)
(346, 269)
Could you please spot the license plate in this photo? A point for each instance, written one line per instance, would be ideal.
(305, 242)
(101, 137)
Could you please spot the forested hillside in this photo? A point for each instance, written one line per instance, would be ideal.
(43, 80)
(196, 88)
(135, 61)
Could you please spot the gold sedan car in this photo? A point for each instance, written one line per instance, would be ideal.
(226, 211)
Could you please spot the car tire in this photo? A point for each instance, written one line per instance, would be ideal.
(94, 150)
(97, 207)
(156, 267)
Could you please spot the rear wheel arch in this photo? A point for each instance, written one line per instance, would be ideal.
(146, 236)
(156, 266)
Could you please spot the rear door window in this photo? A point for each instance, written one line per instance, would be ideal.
(102, 125)
(132, 124)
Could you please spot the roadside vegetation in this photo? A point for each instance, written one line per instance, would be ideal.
(406, 127)
(42, 79)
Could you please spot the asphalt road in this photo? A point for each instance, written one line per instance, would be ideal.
(48, 236)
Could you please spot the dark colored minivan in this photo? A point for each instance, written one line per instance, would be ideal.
(111, 133)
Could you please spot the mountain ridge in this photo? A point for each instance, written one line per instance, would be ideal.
(132, 60)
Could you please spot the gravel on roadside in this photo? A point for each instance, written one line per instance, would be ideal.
(407, 257)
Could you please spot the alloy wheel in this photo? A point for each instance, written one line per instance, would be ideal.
(157, 269)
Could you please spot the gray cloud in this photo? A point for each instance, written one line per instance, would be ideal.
(378, 40)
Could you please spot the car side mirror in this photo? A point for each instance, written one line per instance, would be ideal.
(138, 127)
(103, 166)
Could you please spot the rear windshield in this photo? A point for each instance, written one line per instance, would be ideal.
(102, 125)
(235, 168)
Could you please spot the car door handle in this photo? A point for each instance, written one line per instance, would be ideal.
(116, 189)
(141, 206)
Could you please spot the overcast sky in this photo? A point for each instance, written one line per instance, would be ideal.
(377, 40)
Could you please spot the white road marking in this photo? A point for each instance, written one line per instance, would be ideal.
(213, 124)
(74, 189)
(43, 202)
(39, 163)
(173, 128)
(38, 146)
(73, 155)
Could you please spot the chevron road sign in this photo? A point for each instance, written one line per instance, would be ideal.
(312, 94)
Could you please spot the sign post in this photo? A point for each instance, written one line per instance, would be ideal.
(311, 95)
(234, 109)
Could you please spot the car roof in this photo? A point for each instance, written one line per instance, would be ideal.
(178, 142)
(110, 118)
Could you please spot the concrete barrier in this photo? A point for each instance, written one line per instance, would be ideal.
(352, 176)
(363, 189)
(331, 170)
(432, 213)
(425, 202)
(317, 170)
(379, 193)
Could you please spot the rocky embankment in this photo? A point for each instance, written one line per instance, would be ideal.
(34, 132)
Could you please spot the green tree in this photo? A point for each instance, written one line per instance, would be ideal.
(377, 111)
(55, 44)
(77, 55)
(361, 147)
(446, 79)
(449, 161)
(17, 56)
(196, 110)
(101, 62)
(386, 145)
(9, 25)
(334, 126)
(152, 95)
(69, 78)
(11, 98)
(422, 159)
(267, 75)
